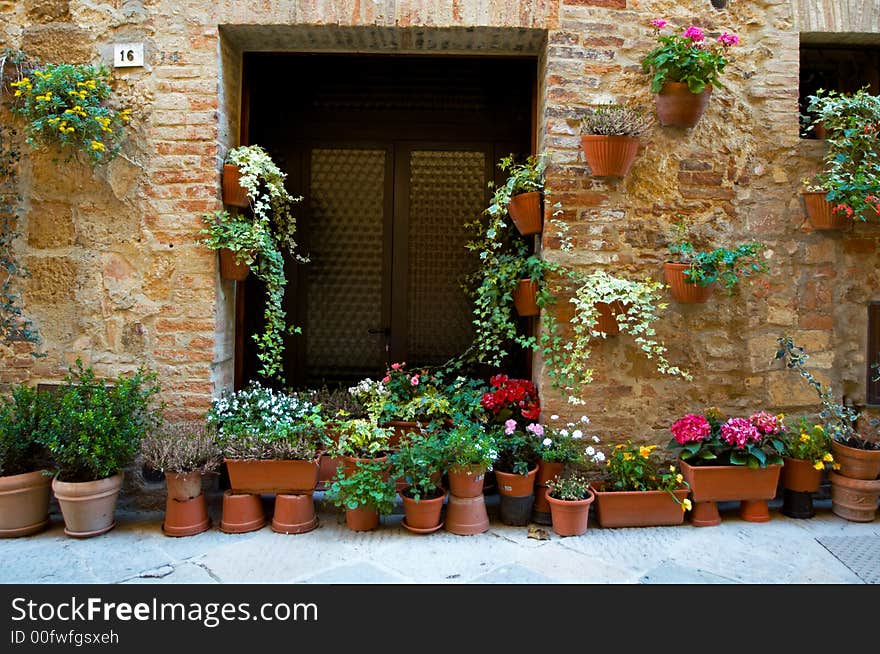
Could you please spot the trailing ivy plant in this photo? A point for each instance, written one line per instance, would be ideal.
(523, 177)
(851, 173)
(258, 240)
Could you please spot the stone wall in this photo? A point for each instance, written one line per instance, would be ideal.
(116, 277)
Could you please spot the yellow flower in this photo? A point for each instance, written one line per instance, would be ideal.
(686, 505)
(805, 438)
(836, 466)
(17, 93)
(671, 468)
(678, 479)
(819, 429)
(645, 451)
(818, 465)
(45, 97)
(97, 146)
(828, 458)
(780, 417)
(40, 74)
(627, 456)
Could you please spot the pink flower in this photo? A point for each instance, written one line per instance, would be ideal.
(691, 428)
(659, 23)
(739, 432)
(386, 379)
(510, 426)
(727, 38)
(693, 33)
(415, 380)
(395, 366)
(536, 429)
(767, 423)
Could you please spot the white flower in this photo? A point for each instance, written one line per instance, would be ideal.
(595, 439)
(546, 442)
(577, 434)
(554, 417)
(564, 432)
(600, 456)
(585, 419)
(590, 451)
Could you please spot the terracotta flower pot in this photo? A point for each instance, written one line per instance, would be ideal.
(466, 481)
(682, 290)
(547, 470)
(89, 508)
(609, 156)
(230, 268)
(234, 194)
(526, 212)
(525, 298)
(327, 470)
(855, 462)
(294, 514)
(422, 517)
(854, 499)
(570, 517)
(753, 487)
(466, 516)
(24, 504)
(184, 486)
(607, 320)
(242, 512)
(402, 429)
(678, 107)
(514, 485)
(186, 517)
(639, 508)
(272, 476)
(821, 212)
(362, 518)
(799, 475)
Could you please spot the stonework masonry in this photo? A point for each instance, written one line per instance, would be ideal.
(118, 279)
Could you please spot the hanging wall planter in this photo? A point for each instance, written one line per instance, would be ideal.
(821, 213)
(677, 106)
(609, 156)
(525, 298)
(230, 268)
(526, 212)
(682, 290)
(234, 194)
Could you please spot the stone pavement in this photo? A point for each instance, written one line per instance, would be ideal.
(782, 551)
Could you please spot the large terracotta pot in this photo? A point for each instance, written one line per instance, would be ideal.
(186, 517)
(466, 516)
(570, 517)
(294, 514)
(547, 470)
(466, 481)
(678, 107)
(24, 504)
(683, 290)
(821, 212)
(525, 298)
(230, 268)
(800, 476)
(362, 518)
(514, 485)
(89, 508)
(609, 156)
(242, 512)
(526, 213)
(639, 508)
(855, 462)
(184, 486)
(854, 499)
(422, 517)
(752, 487)
(272, 476)
(234, 194)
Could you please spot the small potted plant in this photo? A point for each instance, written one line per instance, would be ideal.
(570, 497)
(92, 431)
(516, 469)
(610, 136)
(184, 452)
(807, 456)
(738, 459)
(419, 463)
(522, 195)
(641, 491)
(470, 452)
(24, 483)
(361, 440)
(365, 494)
(563, 444)
(684, 67)
(693, 274)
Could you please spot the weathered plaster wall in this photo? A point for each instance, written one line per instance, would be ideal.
(118, 280)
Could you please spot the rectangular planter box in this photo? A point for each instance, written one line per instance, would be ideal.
(272, 476)
(730, 483)
(639, 508)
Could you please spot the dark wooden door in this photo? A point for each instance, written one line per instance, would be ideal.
(390, 173)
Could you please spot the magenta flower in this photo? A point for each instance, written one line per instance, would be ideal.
(692, 428)
(767, 423)
(739, 432)
(510, 426)
(693, 33)
(659, 23)
(536, 429)
(415, 380)
(727, 38)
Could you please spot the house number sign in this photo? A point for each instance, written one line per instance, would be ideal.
(128, 55)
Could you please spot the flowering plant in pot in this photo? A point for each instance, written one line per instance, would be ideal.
(570, 497)
(419, 462)
(470, 451)
(684, 66)
(270, 440)
(822, 213)
(851, 170)
(523, 193)
(361, 440)
(641, 490)
(184, 452)
(807, 456)
(24, 482)
(693, 274)
(365, 494)
(610, 135)
(92, 431)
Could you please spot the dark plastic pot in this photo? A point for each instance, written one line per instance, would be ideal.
(516, 511)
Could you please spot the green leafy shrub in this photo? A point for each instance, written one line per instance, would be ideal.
(20, 416)
(420, 461)
(368, 486)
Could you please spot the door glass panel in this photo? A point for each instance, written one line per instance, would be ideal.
(345, 272)
(447, 191)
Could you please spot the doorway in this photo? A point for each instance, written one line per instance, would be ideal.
(392, 156)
